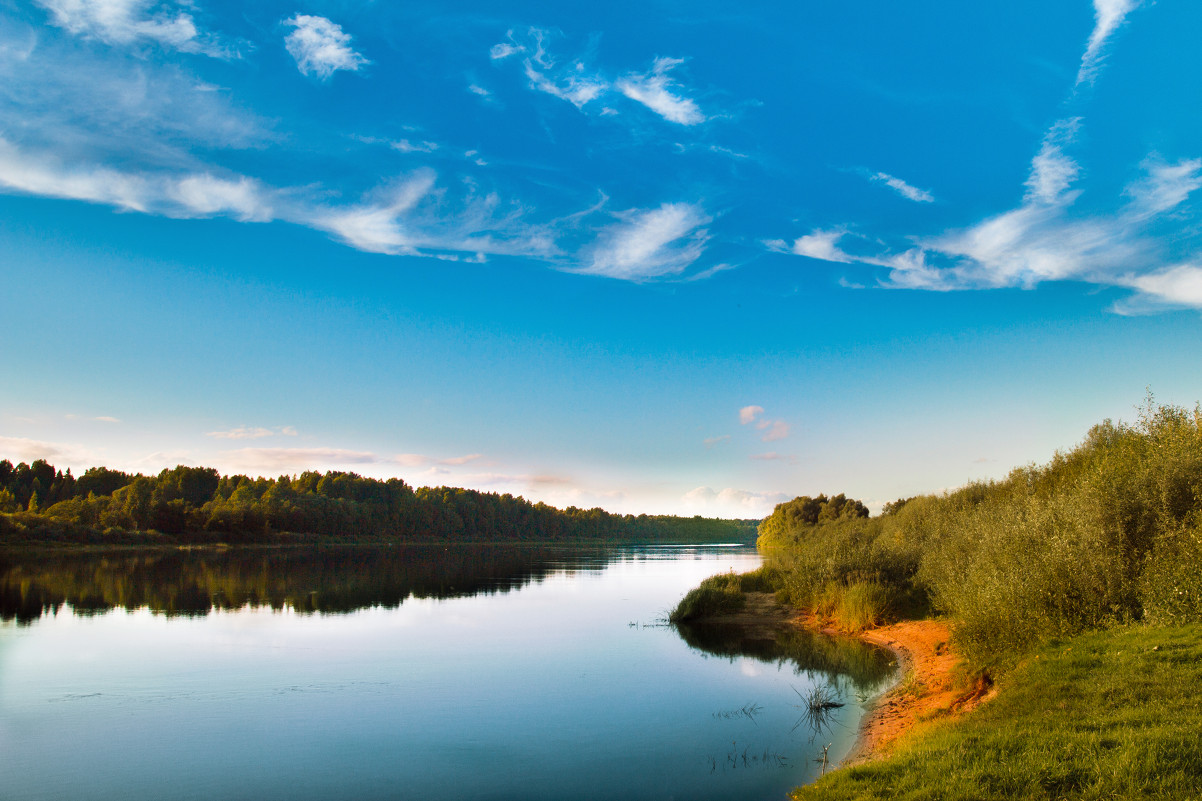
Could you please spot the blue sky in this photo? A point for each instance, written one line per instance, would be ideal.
(655, 257)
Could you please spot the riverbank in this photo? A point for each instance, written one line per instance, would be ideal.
(1108, 714)
(929, 686)
(1115, 713)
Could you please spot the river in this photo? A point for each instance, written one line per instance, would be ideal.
(462, 672)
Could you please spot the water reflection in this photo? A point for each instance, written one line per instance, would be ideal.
(327, 580)
(851, 665)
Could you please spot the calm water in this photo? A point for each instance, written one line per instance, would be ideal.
(422, 673)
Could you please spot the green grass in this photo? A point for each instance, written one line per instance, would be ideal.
(854, 607)
(717, 595)
(1111, 714)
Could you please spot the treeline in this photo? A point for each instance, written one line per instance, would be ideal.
(197, 504)
(1107, 533)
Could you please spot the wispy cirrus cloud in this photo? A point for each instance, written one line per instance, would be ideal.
(295, 459)
(578, 83)
(412, 216)
(420, 460)
(253, 432)
(141, 136)
(1048, 236)
(1052, 172)
(651, 243)
(292, 460)
(124, 22)
(578, 89)
(409, 216)
(1108, 16)
(572, 82)
(1045, 239)
(320, 47)
(176, 195)
(1163, 187)
(657, 91)
(902, 188)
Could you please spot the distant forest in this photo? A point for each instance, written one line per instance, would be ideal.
(39, 504)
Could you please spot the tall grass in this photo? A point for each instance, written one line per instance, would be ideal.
(716, 595)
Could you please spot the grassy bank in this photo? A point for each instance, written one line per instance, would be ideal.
(1109, 714)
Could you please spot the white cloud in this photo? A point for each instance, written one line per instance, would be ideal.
(124, 22)
(822, 245)
(748, 414)
(580, 84)
(651, 243)
(298, 459)
(405, 146)
(1052, 172)
(106, 419)
(656, 91)
(771, 456)
(504, 50)
(1045, 238)
(571, 82)
(174, 195)
(205, 194)
(242, 432)
(773, 430)
(458, 460)
(389, 221)
(85, 105)
(712, 441)
(420, 460)
(576, 88)
(902, 188)
(21, 449)
(1108, 16)
(320, 47)
(1165, 187)
(731, 502)
(378, 227)
(93, 184)
(1176, 286)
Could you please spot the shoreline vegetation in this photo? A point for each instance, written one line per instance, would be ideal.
(43, 506)
(1068, 595)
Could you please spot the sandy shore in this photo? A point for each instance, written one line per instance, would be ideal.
(927, 688)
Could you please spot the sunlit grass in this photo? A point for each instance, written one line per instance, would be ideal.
(1114, 714)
